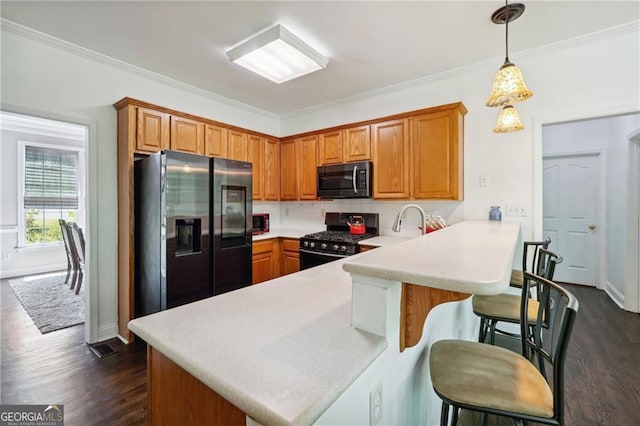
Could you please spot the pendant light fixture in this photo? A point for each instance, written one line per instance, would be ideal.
(508, 85)
(508, 120)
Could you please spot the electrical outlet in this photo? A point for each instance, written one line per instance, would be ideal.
(375, 404)
(484, 181)
(6, 255)
(516, 210)
(286, 211)
(322, 213)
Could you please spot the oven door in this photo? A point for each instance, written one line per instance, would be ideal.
(309, 259)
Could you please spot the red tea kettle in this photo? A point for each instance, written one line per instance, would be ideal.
(356, 225)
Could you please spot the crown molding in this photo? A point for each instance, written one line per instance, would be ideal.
(490, 64)
(29, 33)
(49, 40)
(42, 126)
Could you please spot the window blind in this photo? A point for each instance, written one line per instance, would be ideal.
(51, 178)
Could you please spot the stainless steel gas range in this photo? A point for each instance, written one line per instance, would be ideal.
(337, 241)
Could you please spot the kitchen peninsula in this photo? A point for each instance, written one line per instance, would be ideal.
(286, 352)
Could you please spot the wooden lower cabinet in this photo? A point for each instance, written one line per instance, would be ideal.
(275, 257)
(290, 255)
(175, 397)
(265, 260)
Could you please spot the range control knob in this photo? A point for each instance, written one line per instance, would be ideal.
(343, 248)
(312, 244)
(323, 246)
(335, 247)
(306, 243)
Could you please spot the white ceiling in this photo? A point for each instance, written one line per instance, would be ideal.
(370, 45)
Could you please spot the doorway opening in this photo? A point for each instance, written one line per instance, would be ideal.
(46, 161)
(585, 183)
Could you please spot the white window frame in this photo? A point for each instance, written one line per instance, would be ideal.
(82, 184)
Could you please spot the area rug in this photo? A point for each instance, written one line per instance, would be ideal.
(49, 301)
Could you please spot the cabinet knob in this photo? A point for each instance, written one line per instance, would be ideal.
(592, 226)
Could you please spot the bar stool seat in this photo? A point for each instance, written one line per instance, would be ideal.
(504, 307)
(483, 375)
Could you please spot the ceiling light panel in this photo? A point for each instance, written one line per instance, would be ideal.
(277, 54)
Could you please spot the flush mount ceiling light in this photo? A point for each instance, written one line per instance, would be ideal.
(508, 86)
(508, 121)
(277, 54)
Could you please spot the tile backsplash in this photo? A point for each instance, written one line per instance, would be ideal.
(295, 214)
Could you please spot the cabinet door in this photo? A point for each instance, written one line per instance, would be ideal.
(238, 148)
(436, 152)
(330, 148)
(187, 135)
(257, 148)
(152, 133)
(308, 167)
(215, 141)
(357, 144)
(288, 171)
(391, 159)
(263, 261)
(272, 170)
(290, 255)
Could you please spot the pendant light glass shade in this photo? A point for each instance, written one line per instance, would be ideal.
(508, 121)
(508, 87)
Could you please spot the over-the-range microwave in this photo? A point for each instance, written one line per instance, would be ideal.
(350, 180)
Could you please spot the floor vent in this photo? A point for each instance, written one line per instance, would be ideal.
(102, 349)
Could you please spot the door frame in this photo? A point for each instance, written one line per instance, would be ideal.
(561, 117)
(632, 273)
(601, 282)
(91, 326)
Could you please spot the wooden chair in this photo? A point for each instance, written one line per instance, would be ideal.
(494, 380)
(78, 240)
(505, 307)
(72, 258)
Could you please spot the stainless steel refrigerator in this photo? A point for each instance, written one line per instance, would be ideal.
(192, 217)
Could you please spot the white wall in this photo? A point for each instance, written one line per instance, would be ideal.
(580, 77)
(608, 135)
(45, 77)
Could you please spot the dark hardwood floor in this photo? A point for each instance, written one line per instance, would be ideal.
(59, 368)
(602, 374)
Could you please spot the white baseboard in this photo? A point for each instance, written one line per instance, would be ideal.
(614, 294)
(32, 270)
(107, 332)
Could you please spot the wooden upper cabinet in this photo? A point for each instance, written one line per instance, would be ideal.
(238, 148)
(390, 143)
(272, 170)
(257, 151)
(436, 151)
(288, 170)
(308, 168)
(187, 135)
(215, 141)
(357, 144)
(330, 147)
(152, 133)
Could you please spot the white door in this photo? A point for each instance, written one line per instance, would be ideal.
(570, 212)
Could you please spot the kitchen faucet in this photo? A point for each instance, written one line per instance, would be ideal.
(398, 221)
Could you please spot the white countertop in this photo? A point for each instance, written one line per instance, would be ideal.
(281, 351)
(384, 241)
(469, 257)
(288, 232)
